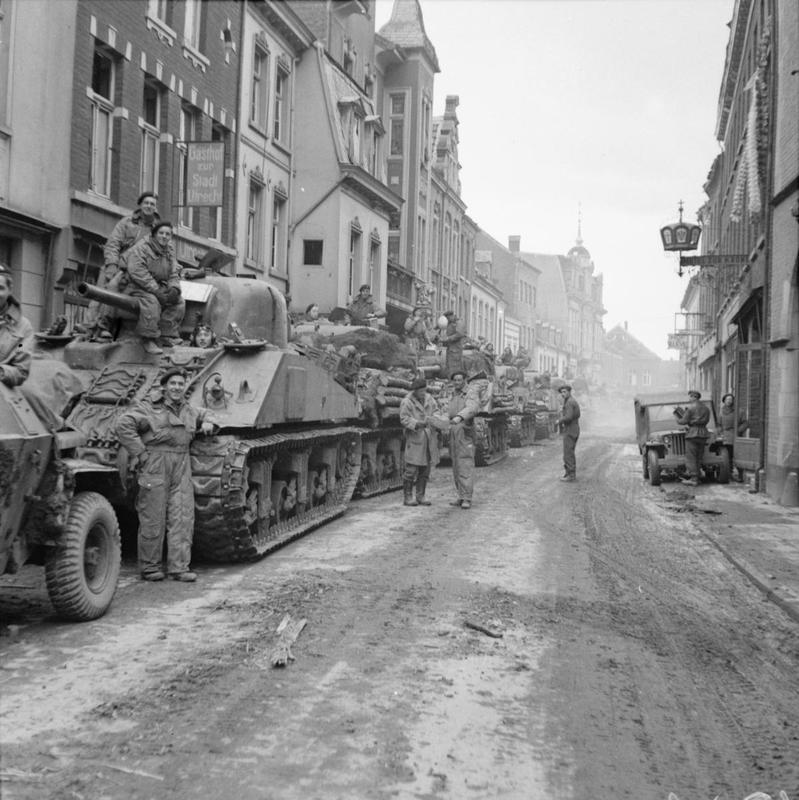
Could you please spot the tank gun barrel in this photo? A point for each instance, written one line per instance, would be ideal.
(123, 301)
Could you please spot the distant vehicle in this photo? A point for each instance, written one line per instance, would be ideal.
(661, 440)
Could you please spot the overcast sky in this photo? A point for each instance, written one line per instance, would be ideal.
(610, 104)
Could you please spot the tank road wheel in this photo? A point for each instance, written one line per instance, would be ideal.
(541, 425)
(723, 474)
(381, 462)
(654, 467)
(258, 494)
(83, 569)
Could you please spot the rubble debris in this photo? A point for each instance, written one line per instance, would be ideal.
(476, 626)
(288, 631)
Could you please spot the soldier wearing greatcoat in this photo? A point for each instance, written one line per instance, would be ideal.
(417, 416)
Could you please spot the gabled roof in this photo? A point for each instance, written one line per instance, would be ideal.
(406, 29)
(621, 341)
(552, 304)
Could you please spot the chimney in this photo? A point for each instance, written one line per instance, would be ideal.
(514, 243)
(625, 324)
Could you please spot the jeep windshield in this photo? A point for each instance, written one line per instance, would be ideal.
(662, 418)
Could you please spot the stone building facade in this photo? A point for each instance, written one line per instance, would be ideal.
(743, 312)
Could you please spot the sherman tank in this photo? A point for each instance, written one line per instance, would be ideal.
(379, 369)
(286, 453)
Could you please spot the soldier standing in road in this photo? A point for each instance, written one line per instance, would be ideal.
(153, 278)
(417, 412)
(695, 417)
(462, 408)
(157, 434)
(16, 335)
(569, 426)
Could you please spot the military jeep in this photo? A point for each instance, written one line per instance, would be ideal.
(661, 440)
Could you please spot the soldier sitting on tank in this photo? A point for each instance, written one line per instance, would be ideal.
(153, 278)
(16, 335)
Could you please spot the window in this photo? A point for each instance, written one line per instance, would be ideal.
(259, 87)
(277, 249)
(279, 127)
(160, 9)
(150, 137)
(193, 23)
(312, 252)
(426, 126)
(354, 259)
(397, 125)
(189, 123)
(102, 102)
(255, 221)
(374, 265)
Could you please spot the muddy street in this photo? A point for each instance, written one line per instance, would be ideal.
(557, 640)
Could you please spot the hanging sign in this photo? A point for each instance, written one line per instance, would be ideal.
(205, 173)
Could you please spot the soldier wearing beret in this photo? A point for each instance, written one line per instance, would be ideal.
(157, 434)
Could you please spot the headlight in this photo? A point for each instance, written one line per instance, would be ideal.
(667, 440)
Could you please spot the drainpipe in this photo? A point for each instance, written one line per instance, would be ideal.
(290, 209)
(237, 154)
(768, 219)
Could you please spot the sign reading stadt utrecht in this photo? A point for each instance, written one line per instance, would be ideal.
(205, 173)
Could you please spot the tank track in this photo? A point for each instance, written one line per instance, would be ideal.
(521, 429)
(542, 425)
(490, 439)
(381, 461)
(253, 495)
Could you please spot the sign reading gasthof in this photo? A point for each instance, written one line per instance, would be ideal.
(205, 173)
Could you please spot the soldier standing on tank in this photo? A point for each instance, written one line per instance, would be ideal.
(417, 412)
(453, 340)
(153, 278)
(157, 434)
(569, 426)
(16, 335)
(461, 412)
(363, 307)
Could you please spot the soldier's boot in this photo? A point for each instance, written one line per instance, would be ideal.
(407, 488)
(421, 488)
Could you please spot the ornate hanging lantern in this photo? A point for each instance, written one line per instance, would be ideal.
(680, 235)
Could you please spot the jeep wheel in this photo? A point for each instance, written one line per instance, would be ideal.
(654, 467)
(723, 474)
(83, 569)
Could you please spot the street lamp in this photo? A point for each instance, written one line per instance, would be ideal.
(679, 236)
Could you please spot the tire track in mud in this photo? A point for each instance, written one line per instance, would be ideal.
(693, 616)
